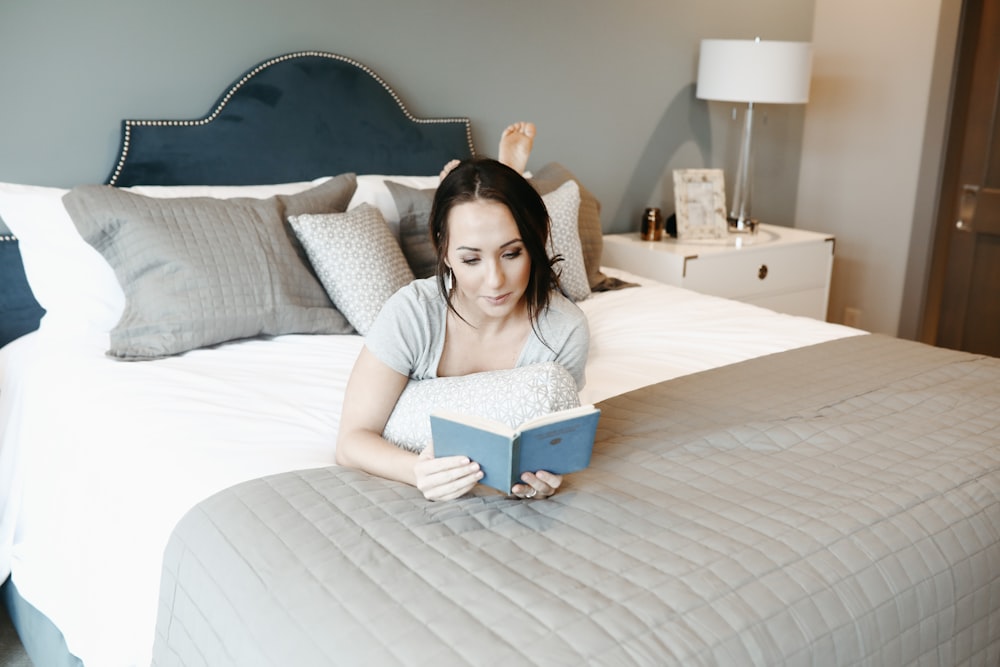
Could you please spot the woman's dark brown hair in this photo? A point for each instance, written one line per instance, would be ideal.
(479, 179)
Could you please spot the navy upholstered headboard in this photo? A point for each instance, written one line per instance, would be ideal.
(291, 118)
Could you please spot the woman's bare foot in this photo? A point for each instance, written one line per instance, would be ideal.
(447, 169)
(515, 145)
(515, 148)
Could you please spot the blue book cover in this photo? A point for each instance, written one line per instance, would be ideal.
(560, 443)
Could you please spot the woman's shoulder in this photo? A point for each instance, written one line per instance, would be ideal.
(419, 291)
(420, 300)
(562, 306)
(410, 317)
(563, 315)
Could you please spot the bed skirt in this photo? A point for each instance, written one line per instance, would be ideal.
(42, 641)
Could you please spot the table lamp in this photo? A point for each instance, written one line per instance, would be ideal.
(755, 72)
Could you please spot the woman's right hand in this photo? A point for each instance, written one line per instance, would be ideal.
(445, 478)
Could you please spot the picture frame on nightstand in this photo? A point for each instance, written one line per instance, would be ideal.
(700, 204)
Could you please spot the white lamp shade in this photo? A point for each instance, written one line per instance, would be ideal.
(738, 70)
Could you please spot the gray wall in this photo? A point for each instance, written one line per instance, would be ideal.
(872, 150)
(610, 85)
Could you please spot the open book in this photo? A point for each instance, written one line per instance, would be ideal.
(559, 442)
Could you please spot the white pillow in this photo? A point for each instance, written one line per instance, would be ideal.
(69, 279)
(72, 281)
(563, 205)
(509, 396)
(372, 190)
(226, 191)
(356, 259)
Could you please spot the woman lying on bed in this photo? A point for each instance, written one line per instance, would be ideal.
(494, 304)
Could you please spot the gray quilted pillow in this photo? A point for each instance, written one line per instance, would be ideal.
(414, 208)
(356, 258)
(201, 271)
(509, 396)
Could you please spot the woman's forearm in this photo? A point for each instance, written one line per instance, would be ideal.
(370, 452)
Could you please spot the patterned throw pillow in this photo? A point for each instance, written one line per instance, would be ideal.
(356, 258)
(563, 205)
(509, 396)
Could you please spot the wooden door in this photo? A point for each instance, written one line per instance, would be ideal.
(963, 305)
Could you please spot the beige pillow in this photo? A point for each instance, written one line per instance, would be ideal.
(549, 178)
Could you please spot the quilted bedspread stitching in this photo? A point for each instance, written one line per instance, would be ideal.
(747, 525)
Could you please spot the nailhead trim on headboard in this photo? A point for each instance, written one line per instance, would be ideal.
(129, 124)
(7, 237)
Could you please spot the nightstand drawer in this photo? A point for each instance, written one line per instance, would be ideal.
(782, 268)
(760, 271)
(809, 303)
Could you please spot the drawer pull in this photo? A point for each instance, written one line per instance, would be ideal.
(762, 271)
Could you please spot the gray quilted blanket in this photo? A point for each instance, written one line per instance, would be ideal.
(834, 505)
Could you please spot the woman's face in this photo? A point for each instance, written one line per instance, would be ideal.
(490, 263)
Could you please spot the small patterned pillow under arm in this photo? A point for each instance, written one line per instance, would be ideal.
(200, 271)
(356, 258)
(509, 396)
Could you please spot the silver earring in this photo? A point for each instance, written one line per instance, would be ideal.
(447, 280)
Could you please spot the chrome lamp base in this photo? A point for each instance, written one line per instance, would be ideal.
(739, 218)
(742, 225)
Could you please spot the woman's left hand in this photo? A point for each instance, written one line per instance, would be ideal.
(537, 485)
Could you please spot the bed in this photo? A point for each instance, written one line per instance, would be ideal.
(765, 489)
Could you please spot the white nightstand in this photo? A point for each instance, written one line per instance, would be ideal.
(780, 268)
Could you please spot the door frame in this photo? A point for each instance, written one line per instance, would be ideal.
(950, 186)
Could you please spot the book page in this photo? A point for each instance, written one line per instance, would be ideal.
(557, 416)
(483, 423)
(494, 426)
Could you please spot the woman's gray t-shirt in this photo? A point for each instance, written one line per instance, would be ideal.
(408, 334)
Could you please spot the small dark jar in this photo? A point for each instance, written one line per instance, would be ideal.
(652, 225)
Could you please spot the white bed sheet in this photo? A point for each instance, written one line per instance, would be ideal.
(641, 336)
(128, 448)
